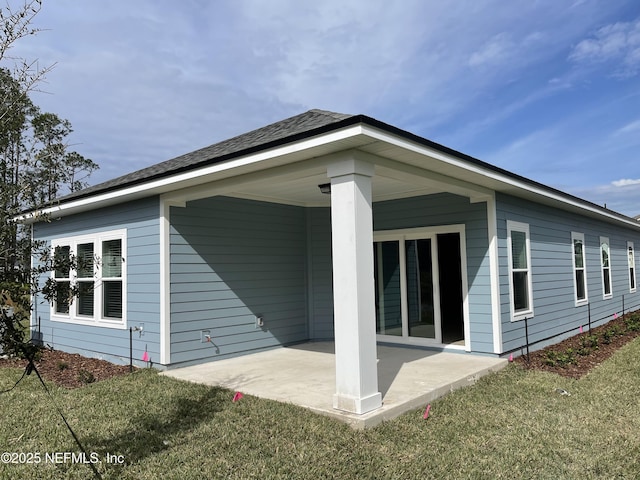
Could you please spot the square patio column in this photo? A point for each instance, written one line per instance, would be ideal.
(353, 286)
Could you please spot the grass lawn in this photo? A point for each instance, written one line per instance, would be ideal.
(512, 424)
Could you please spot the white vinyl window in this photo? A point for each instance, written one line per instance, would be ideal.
(62, 276)
(632, 267)
(579, 269)
(605, 260)
(520, 285)
(100, 277)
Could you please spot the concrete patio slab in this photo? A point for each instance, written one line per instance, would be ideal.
(304, 375)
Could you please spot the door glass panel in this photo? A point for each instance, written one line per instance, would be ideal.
(387, 281)
(420, 288)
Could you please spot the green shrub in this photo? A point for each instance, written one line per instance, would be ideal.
(86, 377)
(611, 332)
(632, 321)
(589, 341)
(560, 359)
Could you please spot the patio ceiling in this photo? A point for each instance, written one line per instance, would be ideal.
(294, 178)
(305, 191)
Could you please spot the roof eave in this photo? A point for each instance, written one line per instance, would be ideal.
(349, 127)
(169, 181)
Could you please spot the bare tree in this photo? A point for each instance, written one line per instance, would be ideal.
(16, 24)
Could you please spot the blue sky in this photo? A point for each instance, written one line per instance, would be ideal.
(547, 89)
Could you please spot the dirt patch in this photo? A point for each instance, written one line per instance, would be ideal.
(581, 349)
(70, 369)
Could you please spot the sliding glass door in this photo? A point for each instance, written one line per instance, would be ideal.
(419, 273)
(388, 291)
(418, 286)
(404, 278)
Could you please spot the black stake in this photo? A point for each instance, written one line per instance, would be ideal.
(526, 335)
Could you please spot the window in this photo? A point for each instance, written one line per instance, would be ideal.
(63, 279)
(99, 276)
(579, 269)
(84, 279)
(606, 268)
(632, 267)
(520, 286)
(112, 278)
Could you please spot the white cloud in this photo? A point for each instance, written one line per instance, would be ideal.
(625, 182)
(496, 50)
(629, 128)
(622, 200)
(617, 42)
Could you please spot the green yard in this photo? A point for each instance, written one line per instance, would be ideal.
(510, 425)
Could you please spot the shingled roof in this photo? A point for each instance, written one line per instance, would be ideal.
(297, 128)
(306, 124)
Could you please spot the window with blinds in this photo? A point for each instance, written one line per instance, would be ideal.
(62, 276)
(112, 278)
(85, 279)
(100, 278)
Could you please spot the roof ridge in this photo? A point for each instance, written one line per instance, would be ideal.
(336, 115)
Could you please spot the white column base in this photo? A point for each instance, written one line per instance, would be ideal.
(357, 405)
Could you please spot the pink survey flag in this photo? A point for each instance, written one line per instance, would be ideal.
(145, 356)
(426, 412)
(237, 396)
(615, 314)
(580, 328)
(511, 357)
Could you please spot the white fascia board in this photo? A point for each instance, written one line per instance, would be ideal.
(392, 139)
(199, 175)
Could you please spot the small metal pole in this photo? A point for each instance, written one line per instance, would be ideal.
(623, 305)
(130, 349)
(526, 335)
(589, 310)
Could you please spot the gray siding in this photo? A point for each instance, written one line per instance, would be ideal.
(432, 210)
(140, 219)
(233, 259)
(552, 270)
(320, 274)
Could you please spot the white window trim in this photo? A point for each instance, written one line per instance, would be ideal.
(632, 285)
(521, 314)
(606, 296)
(97, 319)
(579, 236)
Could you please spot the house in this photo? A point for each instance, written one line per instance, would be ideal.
(327, 226)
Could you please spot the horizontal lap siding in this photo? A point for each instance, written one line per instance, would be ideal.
(449, 209)
(552, 270)
(140, 219)
(320, 273)
(232, 259)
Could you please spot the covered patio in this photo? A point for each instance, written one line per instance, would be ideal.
(305, 375)
(351, 182)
